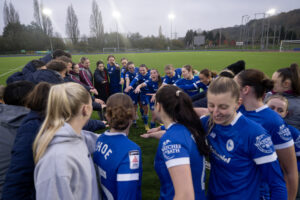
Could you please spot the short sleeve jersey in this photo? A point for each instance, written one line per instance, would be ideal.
(168, 80)
(182, 83)
(177, 147)
(296, 137)
(236, 152)
(273, 123)
(131, 76)
(114, 74)
(120, 166)
(152, 86)
(140, 79)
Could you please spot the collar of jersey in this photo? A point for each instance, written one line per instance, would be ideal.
(261, 108)
(236, 119)
(170, 125)
(114, 134)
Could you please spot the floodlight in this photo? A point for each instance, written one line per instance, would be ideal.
(171, 16)
(271, 11)
(116, 14)
(47, 11)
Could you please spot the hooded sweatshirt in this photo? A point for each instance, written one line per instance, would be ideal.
(66, 170)
(10, 120)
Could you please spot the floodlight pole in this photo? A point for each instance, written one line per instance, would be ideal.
(118, 44)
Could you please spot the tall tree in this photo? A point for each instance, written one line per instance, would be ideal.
(160, 34)
(10, 15)
(189, 37)
(72, 29)
(41, 20)
(96, 24)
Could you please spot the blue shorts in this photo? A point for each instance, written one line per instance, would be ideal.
(133, 96)
(144, 99)
(151, 104)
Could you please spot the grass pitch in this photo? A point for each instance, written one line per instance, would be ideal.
(267, 62)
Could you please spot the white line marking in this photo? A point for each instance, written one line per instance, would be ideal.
(10, 71)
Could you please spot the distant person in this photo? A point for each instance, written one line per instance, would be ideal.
(143, 99)
(188, 79)
(62, 150)
(85, 73)
(101, 81)
(12, 114)
(55, 73)
(172, 75)
(118, 158)
(287, 82)
(124, 69)
(19, 76)
(114, 75)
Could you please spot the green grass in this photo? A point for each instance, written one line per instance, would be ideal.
(214, 60)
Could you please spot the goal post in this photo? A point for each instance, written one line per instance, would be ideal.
(289, 45)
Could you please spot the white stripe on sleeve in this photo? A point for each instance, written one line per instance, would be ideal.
(128, 177)
(298, 153)
(266, 159)
(178, 161)
(284, 145)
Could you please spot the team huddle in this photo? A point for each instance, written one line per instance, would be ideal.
(237, 126)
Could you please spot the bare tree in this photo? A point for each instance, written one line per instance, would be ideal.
(96, 24)
(43, 21)
(10, 15)
(160, 34)
(72, 29)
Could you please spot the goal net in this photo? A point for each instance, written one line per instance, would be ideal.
(289, 45)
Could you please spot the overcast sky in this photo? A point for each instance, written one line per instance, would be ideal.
(145, 16)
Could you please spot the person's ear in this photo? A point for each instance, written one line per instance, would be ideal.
(287, 84)
(246, 89)
(84, 110)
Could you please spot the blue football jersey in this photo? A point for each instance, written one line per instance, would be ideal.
(114, 79)
(140, 79)
(131, 76)
(273, 123)
(181, 83)
(242, 154)
(123, 72)
(168, 80)
(296, 137)
(120, 166)
(152, 86)
(177, 147)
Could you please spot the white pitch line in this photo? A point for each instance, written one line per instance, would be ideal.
(10, 71)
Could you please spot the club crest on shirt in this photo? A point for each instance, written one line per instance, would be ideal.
(134, 158)
(264, 143)
(297, 142)
(229, 145)
(169, 150)
(284, 132)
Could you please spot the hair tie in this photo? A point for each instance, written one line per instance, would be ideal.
(177, 93)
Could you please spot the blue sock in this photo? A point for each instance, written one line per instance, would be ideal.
(145, 119)
(142, 111)
(152, 125)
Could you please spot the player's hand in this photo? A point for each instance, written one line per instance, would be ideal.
(127, 89)
(137, 90)
(121, 81)
(94, 91)
(99, 101)
(156, 135)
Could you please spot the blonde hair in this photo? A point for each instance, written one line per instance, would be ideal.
(278, 96)
(64, 102)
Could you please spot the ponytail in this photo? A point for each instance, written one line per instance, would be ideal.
(178, 106)
(64, 102)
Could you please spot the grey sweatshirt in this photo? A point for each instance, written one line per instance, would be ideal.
(11, 118)
(66, 170)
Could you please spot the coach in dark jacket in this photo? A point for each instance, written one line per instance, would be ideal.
(101, 81)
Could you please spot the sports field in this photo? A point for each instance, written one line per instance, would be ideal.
(213, 60)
